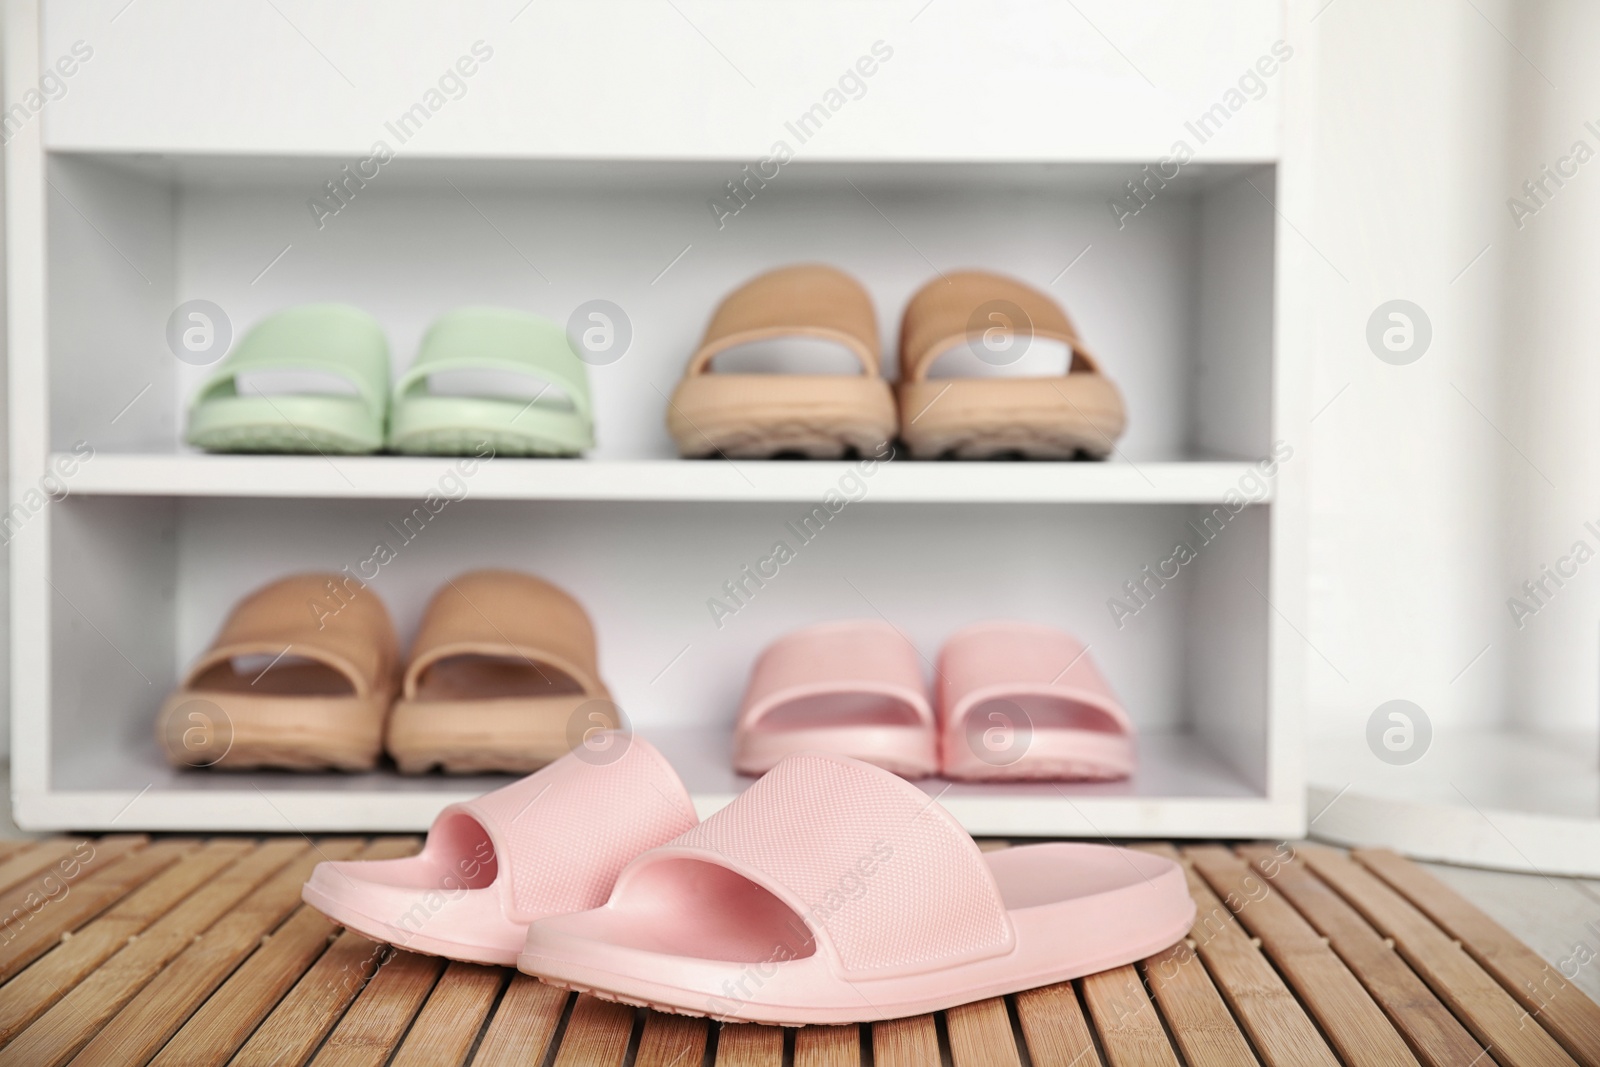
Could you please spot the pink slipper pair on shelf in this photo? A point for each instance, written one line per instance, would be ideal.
(1016, 701)
(830, 891)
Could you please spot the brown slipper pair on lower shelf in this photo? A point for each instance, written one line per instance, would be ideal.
(305, 674)
(745, 416)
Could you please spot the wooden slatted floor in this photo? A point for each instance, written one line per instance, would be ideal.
(187, 952)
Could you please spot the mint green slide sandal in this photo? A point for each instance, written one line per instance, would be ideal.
(555, 419)
(329, 339)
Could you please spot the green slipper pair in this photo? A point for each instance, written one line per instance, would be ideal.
(345, 342)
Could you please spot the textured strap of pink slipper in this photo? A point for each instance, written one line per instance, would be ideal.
(864, 858)
(995, 660)
(848, 656)
(563, 834)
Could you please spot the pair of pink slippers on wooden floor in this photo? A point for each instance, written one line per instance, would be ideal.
(830, 891)
(1016, 701)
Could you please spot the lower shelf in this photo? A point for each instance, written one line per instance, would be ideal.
(1180, 790)
(1514, 801)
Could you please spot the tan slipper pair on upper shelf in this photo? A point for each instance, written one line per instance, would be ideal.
(305, 674)
(746, 416)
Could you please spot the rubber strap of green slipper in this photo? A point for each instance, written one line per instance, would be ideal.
(331, 338)
(498, 339)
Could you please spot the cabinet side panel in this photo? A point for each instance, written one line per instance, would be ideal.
(1233, 379)
(1226, 633)
(111, 604)
(111, 240)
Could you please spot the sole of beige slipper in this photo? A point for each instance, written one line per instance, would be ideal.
(510, 735)
(1039, 418)
(241, 731)
(757, 416)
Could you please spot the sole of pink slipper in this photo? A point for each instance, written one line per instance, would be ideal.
(398, 937)
(1073, 909)
(909, 751)
(1054, 755)
(671, 1000)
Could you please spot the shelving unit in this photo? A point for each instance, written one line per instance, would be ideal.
(193, 183)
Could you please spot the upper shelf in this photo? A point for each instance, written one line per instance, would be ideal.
(404, 477)
(1091, 81)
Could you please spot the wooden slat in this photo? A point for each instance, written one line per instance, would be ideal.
(827, 1046)
(1129, 1029)
(77, 1017)
(1276, 1024)
(375, 1023)
(1201, 1024)
(750, 1045)
(159, 1009)
(220, 1026)
(1351, 1020)
(671, 1041)
(524, 1023)
(912, 1042)
(10, 846)
(449, 1022)
(1434, 1034)
(1570, 1016)
(1493, 1015)
(980, 1035)
(24, 902)
(88, 898)
(38, 856)
(597, 1033)
(35, 990)
(307, 1012)
(1054, 1029)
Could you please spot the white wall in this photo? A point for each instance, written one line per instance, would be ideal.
(1408, 462)
(1442, 485)
(1550, 370)
(5, 481)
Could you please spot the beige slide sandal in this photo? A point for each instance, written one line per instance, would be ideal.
(502, 678)
(820, 416)
(1055, 417)
(300, 677)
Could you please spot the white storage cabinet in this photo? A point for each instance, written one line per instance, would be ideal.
(580, 160)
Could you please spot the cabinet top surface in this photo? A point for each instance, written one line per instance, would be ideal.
(935, 79)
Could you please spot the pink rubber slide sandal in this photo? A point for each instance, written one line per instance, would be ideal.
(1021, 701)
(832, 891)
(851, 687)
(551, 843)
